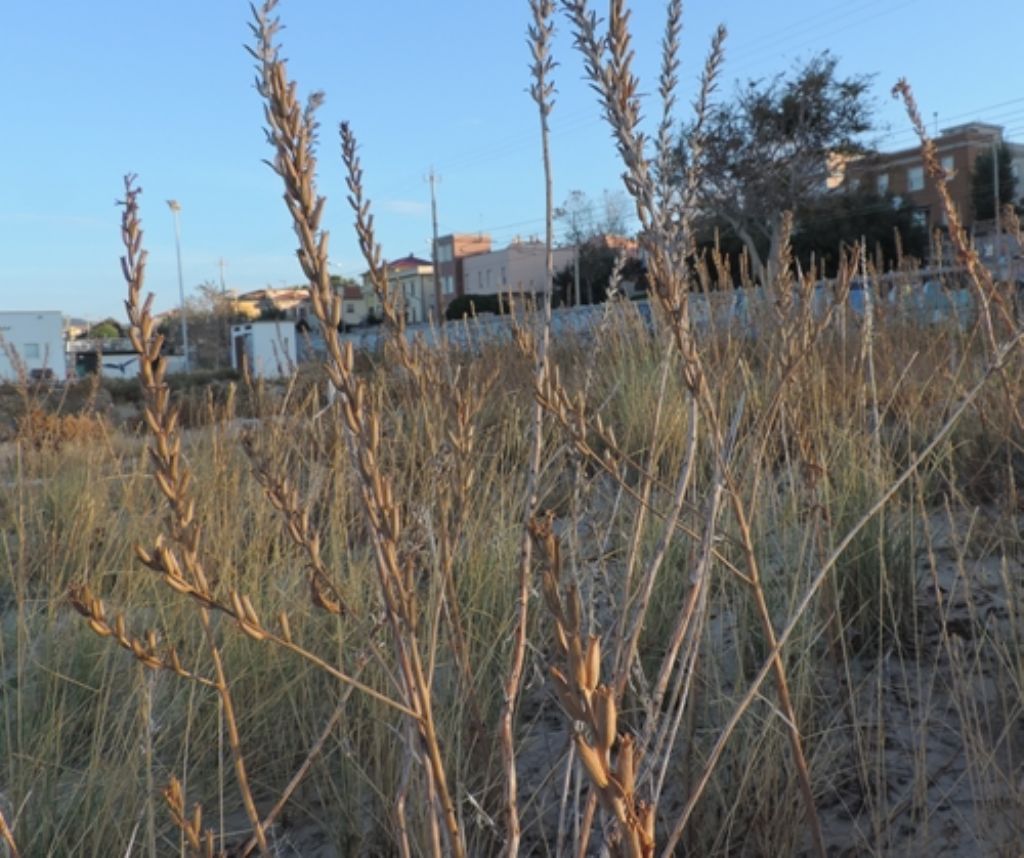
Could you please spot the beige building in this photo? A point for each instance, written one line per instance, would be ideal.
(452, 251)
(903, 175)
(355, 309)
(411, 282)
(289, 303)
(520, 268)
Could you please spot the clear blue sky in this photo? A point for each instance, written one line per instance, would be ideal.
(164, 88)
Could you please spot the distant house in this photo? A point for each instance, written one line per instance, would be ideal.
(291, 302)
(267, 349)
(32, 341)
(520, 269)
(355, 308)
(411, 283)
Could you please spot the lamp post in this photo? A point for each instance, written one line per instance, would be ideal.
(175, 208)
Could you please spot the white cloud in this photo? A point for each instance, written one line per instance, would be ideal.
(408, 208)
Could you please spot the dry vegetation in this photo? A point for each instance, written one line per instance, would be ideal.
(698, 590)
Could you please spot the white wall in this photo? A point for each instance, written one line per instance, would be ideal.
(37, 337)
(269, 348)
(519, 268)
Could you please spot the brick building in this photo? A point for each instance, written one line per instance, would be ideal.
(902, 173)
(452, 251)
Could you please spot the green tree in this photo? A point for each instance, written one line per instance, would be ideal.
(983, 196)
(209, 314)
(827, 224)
(108, 329)
(767, 151)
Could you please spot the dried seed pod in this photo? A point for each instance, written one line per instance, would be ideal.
(625, 764)
(578, 664)
(566, 695)
(286, 629)
(645, 814)
(99, 628)
(178, 584)
(250, 612)
(236, 606)
(593, 662)
(549, 586)
(605, 718)
(593, 763)
(563, 641)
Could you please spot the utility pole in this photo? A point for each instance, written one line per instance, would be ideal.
(433, 178)
(175, 208)
(576, 264)
(226, 344)
(995, 191)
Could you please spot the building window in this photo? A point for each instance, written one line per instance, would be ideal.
(915, 179)
(350, 308)
(882, 183)
(30, 351)
(948, 166)
(503, 274)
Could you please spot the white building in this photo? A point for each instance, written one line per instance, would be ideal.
(268, 349)
(36, 340)
(411, 285)
(520, 268)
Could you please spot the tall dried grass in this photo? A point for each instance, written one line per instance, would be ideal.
(332, 611)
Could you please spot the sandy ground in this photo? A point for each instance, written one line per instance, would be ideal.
(935, 766)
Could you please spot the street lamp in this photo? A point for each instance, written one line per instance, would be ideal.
(175, 208)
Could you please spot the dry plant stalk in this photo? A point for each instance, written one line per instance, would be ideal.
(592, 707)
(285, 499)
(180, 567)
(668, 238)
(540, 32)
(8, 836)
(145, 650)
(200, 841)
(173, 478)
(980, 276)
(291, 130)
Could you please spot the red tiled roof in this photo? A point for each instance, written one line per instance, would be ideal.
(409, 261)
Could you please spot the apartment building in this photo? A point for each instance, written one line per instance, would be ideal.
(452, 251)
(902, 173)
(520, 268)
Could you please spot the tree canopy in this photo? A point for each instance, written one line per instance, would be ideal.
(983, 197)
(768, 151)
(108, 329)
